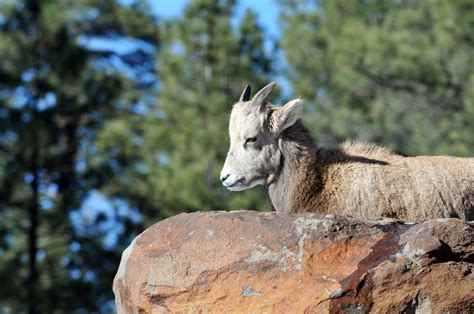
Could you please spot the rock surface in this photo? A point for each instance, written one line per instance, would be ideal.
(250, 262)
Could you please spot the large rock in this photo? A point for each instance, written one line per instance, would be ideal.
(250, 262)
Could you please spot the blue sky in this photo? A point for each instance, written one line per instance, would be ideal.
(267, 11)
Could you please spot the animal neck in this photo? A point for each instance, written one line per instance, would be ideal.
(289, 190)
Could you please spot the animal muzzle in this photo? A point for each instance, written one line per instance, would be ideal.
(230, 180)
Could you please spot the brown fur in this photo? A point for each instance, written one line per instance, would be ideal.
(364, 180)
(270, 146)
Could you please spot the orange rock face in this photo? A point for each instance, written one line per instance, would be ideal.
(250, 262)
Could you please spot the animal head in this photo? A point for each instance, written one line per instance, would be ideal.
(255, 130)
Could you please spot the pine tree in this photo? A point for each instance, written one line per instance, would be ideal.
(175, 151)
(55, 94)
(399, 73)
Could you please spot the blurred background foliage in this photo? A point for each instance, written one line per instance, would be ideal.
(112, 118)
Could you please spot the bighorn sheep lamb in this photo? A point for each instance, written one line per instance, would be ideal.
(269, 145)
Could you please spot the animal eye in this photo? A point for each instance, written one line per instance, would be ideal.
(250, 140)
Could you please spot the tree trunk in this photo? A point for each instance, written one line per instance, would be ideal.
(33, 235)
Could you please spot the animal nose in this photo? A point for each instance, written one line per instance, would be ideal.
(224, 177)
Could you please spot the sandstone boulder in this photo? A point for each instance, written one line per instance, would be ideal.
(250, 262)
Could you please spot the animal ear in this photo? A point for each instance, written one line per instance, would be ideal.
(245, 96)
(262, 94)
(287, 115)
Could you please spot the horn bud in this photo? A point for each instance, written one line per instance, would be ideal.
(262, 94)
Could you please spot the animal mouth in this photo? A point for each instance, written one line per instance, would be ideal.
(237, 185)
(243, 184)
